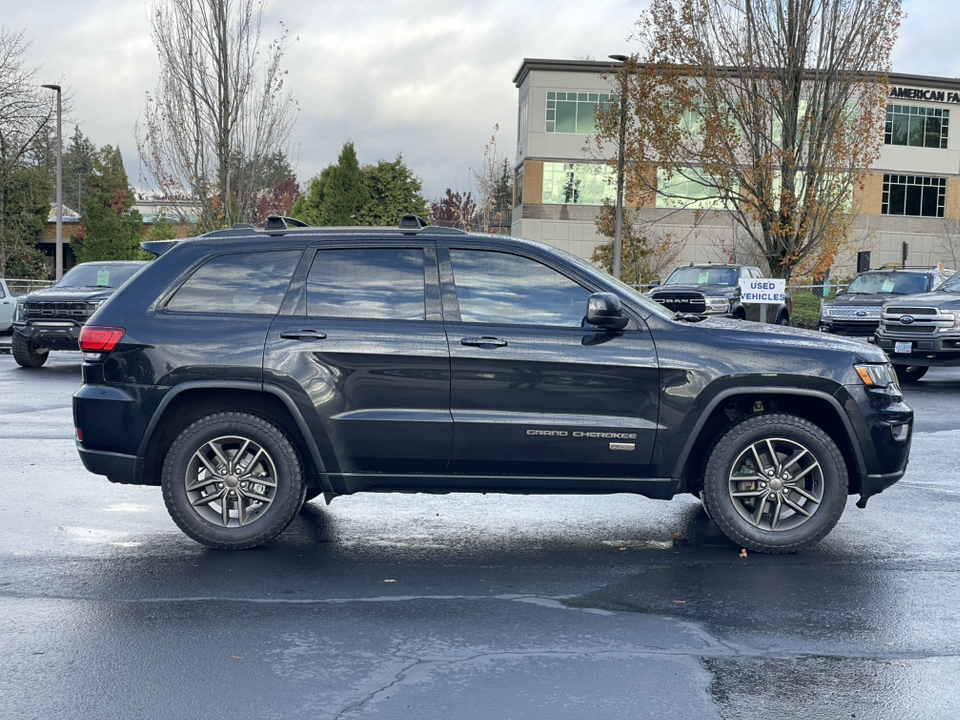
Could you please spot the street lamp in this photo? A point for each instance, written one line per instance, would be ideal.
(618, 225)
(59, 248)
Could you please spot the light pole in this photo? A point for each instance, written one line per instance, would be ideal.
(59, 247)
(618, 225)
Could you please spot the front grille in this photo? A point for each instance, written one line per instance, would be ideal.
(907, 310)
(851, 312)
(41, 310)
(682, 301)
(914, 329)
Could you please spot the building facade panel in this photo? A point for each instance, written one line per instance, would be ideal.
(913, 188)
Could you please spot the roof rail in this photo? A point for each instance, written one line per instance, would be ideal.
(279, 222)
(412, 222)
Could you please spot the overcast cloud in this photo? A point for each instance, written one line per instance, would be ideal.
(426, 78)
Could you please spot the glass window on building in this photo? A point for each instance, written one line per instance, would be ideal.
(916, 126)
(691, 190)
(574, 112)
(578, 184)
(914, 195)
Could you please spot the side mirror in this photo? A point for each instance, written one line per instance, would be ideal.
(653, 283)
(604, 310)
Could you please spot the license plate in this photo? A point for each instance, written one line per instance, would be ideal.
(903, 348)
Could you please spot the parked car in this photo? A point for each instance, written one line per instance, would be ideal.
(247, 370)
(714, 290)
(8, 303)
(856, 309)
(50, 319)
(919, 332)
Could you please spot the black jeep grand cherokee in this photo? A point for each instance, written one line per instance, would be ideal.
(245, 371)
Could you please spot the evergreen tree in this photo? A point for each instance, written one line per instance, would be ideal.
(394, 191)
(78, 162)
(26, 206)
(109, 227)
(347, 194)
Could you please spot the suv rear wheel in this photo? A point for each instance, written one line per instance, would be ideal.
(232, 480)
(775, 483)
(26, 353)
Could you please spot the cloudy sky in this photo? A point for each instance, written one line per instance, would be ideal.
(426, 78)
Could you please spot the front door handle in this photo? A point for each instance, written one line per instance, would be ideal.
(303, 335)
(485, 342)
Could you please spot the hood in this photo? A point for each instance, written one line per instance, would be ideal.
(787, 345)
(863, 300)
(706, 289)
(938, 299)
(70, 294)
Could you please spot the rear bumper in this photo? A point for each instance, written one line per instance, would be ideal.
(118, 468)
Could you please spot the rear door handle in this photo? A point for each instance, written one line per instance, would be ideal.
(303, 335)
(485, 341)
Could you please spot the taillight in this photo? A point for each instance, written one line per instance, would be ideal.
(100, 339)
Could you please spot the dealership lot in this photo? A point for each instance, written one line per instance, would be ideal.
(466, 606)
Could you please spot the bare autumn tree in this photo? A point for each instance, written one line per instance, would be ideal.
(220, 114)
(26, 110)
(773, 107)
(494, 187)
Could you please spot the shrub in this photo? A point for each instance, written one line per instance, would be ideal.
(806, 311)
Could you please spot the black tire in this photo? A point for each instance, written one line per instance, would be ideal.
(256, 500)
(26, 353)
(795, 509)
(909, 373)
(783, 320)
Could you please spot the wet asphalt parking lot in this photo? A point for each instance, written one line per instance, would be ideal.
(467, 606)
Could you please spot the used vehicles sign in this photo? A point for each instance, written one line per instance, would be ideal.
(763, 290)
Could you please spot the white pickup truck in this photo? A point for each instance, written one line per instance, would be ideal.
(8, 303)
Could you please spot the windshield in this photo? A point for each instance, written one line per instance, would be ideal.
(703, 276)
(99, 275)
(888, 283)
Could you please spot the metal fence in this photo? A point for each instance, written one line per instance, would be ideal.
(23, 287)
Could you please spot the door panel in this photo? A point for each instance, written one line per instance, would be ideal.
(548, 398)
(371, 356)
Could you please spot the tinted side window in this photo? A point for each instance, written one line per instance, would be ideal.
(249, 283)
(371, 283)
(498, 287)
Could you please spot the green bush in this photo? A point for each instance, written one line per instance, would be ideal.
(806, 311)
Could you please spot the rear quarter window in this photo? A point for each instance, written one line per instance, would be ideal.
(241, 283)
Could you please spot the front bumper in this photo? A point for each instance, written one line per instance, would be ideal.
(848, 328)
(53, 336)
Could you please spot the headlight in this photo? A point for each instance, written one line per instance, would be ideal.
(876, 376)
(19, 314)
(827, 311)
(717, 305)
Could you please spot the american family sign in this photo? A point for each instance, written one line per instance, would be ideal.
(944, 96)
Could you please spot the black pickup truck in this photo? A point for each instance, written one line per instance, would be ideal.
(50, 319)
(245, 371)
(713, 290)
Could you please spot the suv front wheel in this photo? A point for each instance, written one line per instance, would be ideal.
(775, 483)
(232, 480)
(26, 353)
